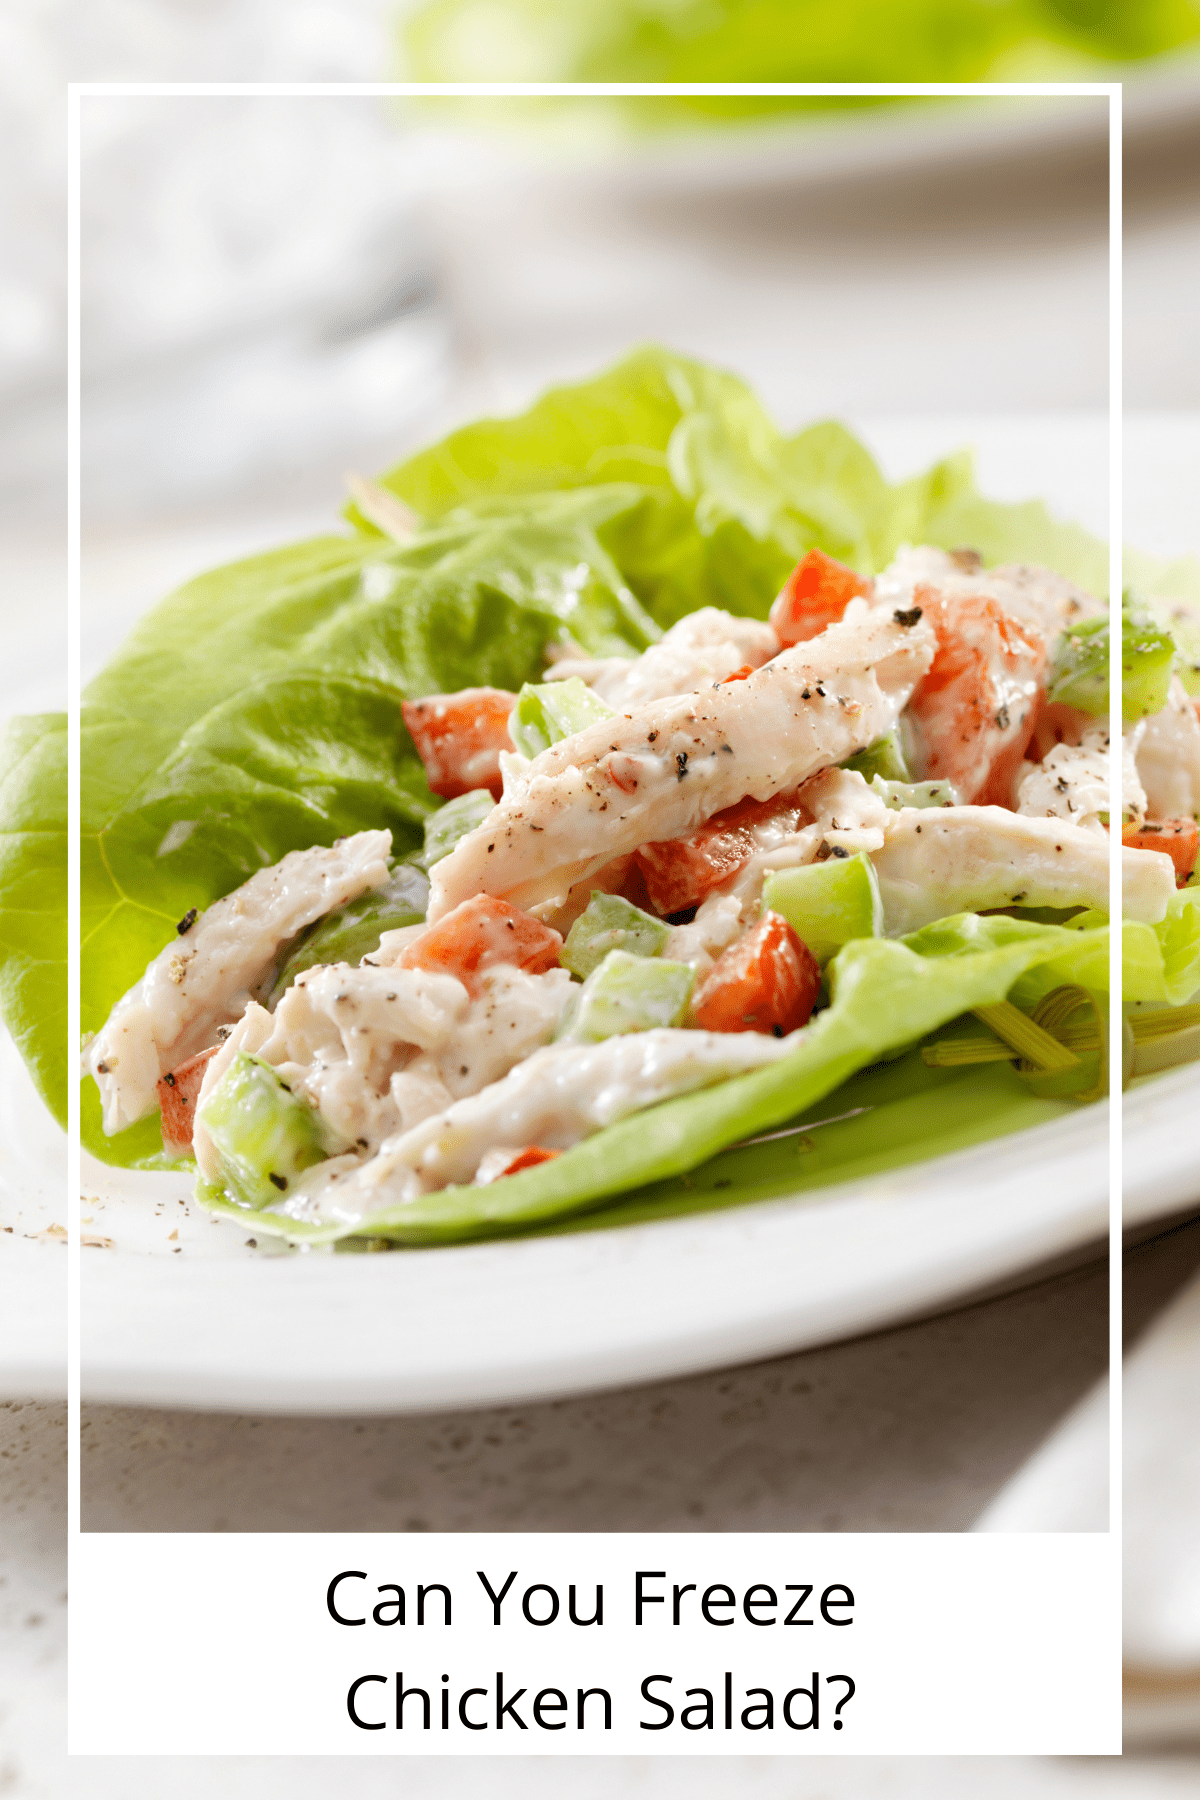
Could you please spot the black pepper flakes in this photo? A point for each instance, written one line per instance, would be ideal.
(188, 920)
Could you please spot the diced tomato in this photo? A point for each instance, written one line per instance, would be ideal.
(528, 1159)
(976, 708)
(178, 1092)
(815, 594)
(768, 981)
(1055, 724)
(1177, 838)
(459, 738)
(479, 933)
(680, 872)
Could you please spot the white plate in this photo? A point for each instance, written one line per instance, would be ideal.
(178, 1311)
(536, 1318)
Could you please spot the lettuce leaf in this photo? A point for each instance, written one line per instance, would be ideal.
(256, 710)
(1162, 962)
(33, 898)
(779, 40)
(886, 994)
(728, 503)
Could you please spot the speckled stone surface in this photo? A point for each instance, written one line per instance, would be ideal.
(912, 1429)
(908, 1430)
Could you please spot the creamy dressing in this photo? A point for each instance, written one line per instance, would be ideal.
(1168, 758)
(376, 1050)
(661, 770)
(557, 1097)
(206, 977)
(1035, 595)
(1072, 782)
(939, 861)
(701, 648)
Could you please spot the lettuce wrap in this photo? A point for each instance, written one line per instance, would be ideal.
(257, 711)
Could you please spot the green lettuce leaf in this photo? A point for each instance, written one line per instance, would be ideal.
(33, 898)
(887, 994)
(778, 40)
(257, 711)
(728, 503)
(1162, 962)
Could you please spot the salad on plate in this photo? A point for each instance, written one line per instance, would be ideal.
(634, 792)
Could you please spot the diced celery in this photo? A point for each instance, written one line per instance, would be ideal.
(263, 1136)
(553, 710)
(354, 930)
(1080, 673)
(915, 793)
(827, 903)
(1182, 619)
(628, 993)
(610, 923)
(1147, 662)
(885, 757)
(451, 822)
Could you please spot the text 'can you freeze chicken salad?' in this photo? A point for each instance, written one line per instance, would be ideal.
(673, 897)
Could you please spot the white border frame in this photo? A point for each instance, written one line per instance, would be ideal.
(77, 92)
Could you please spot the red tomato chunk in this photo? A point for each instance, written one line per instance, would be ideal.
(1177, 838)
(459, 738)
(680, 872)
(768, 981)
(479, 933)
(529, 1159)
(977, 707)
(815, 594)
(178, 1093)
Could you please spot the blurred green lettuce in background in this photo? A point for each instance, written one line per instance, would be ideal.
(784, 40)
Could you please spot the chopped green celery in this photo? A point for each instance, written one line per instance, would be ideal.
(1079, 674)
(885, 758)
(1182, 619)
(354, 930)
(1147, 662)
(263, 1136)
(552, 710)
(610, 923)
(451, 822)
(827, 903)
(628, 993)
(915, 793)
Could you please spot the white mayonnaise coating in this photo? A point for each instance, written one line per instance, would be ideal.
(557, 1097)
(847, 814)
(1071, 782)
(376, 1049)
(1031, 593)
(718, 921)
(1168, 757)
(661, 770)
(939, 861)
(703, 647)
(206, 976)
